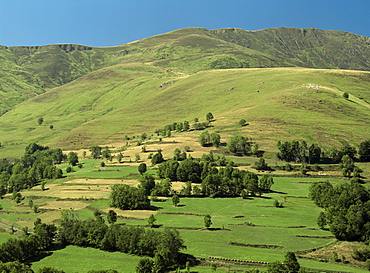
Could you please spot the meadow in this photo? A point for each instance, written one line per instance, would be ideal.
(297, 103)
(250, 229)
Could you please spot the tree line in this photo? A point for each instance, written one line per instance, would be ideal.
(211, 180)
(301, 152)
(162, 246)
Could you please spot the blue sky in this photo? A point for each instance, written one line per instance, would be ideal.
(115, 22)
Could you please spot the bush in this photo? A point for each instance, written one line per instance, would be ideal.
(69, 169)
(261, 164)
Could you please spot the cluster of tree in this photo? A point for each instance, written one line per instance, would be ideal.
(38, 163)
(176, 126)
(347, 209)
(241, 145)
(209, 139)
(127, 197)
(224, 181)
(296, 151)
(163, 246)
(32, 245)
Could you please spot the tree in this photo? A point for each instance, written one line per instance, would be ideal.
(142, 168)
(364, 151)
(204, 138)
(119, 157)
(239, 145)
(147, 183)
(95, 151)
(209, 117)
(321, 220)
(345, 95)
(51, 127)
(72, 158)
(215, 139)
(242, 122)
(40, 121)
(207, 221)
(186, 126)
(175, 200)
(261, 164)
(291, 262)
(151, 220)
(157, 158)
(111, 217)
(106, 153)
(265, 182)
(145, 265)
(126, 197)
(137, 158)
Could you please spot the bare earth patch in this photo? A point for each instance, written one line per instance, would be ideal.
(60, 205)
(343, 249)
(137, 214)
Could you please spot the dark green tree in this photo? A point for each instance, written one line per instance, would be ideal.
(142, 168)
(321, 220)
(261, 164)
(207, 221)
(111, 217)
(345, 95)
(40, 121)
(242, 122)
(239, 145)
(126, 197)
(106, 153)
(265, 182)
(96, 151)
(291, 262)
(175, 200)
(147, 183)
(215, 139)
(157, 158)
(72, 158)
(209, 117)
(151, 220)
(145, 265)
(364, 151)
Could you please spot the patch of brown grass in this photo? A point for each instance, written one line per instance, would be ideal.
(342, 248)
(137, 214)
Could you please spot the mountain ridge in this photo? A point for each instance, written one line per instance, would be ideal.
(187, 50)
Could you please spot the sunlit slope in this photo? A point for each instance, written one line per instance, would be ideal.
(30, 70)
(278, 103)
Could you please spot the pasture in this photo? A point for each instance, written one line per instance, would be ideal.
(250, 229)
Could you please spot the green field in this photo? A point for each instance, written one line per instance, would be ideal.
(275, 102)
(268, 226)
(110, 96)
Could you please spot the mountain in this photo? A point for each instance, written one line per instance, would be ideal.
(100, 95)
(27, 71)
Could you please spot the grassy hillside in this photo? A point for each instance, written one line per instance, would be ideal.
(278, 103)
(31, 70)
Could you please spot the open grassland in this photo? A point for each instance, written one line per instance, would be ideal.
(128, 100)
(77, 259)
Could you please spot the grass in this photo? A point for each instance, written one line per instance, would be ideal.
(272, 226)
(77, 259)
(273, 101)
